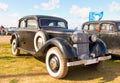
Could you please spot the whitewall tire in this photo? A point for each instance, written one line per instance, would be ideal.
(56, 63)
(15, 51)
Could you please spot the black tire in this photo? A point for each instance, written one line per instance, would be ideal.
(56, 63)
(39, 40)
(15, 51)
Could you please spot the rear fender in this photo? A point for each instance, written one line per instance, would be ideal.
(67, 50)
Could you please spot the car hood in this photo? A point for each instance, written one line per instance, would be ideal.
(61, 30)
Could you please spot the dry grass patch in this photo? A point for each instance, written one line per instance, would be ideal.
(26, 69)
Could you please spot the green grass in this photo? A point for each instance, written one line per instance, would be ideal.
(10, 64)
(26, 69)
(14, 81)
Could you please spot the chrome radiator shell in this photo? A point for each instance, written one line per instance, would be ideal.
(82, 45)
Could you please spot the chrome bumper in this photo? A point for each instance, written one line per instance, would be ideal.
(88, 62)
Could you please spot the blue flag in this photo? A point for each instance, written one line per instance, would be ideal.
(93, 16)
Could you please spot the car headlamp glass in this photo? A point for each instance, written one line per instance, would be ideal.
(93, 38)
(74, 36)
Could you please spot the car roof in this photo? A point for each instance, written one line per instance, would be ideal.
(102, 21)
(41, 16)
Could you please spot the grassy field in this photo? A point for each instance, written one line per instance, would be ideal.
(26, 69)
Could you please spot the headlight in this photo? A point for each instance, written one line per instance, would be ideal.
(74, 36)
(93, 38)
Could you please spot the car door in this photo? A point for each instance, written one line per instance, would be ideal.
(118, 35)
(27, 33)
(108, 34)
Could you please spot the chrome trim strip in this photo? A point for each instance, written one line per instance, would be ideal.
(88, 62)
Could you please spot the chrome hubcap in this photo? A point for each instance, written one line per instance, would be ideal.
(54, 63)
(14, 46)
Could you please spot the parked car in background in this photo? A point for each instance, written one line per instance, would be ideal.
(10, 30)
(108, 31)
(50, 37)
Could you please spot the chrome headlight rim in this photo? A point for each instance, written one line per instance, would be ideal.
(74, 37)
(93, 38)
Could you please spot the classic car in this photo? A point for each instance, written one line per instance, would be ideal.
(10, 30)
(49, 36)
(108, 31)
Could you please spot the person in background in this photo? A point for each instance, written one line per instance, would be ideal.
(2, 30)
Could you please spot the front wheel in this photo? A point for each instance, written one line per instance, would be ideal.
(15, 51)
(56, 63)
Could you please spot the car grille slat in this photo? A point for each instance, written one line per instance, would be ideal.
(83, 44)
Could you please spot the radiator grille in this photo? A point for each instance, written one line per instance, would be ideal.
(82, 38)
(83, 49)
(83, 44)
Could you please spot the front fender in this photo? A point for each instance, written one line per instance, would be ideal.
(98, 47)
(67, 50)
(102, 45)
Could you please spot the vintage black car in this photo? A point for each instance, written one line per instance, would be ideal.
(108, 31)
(50, 37)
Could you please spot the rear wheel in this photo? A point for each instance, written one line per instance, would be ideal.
(56, 63)
(15, 51)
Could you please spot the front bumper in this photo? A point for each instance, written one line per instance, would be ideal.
(89, 61)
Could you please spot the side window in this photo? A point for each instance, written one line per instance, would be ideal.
(107, 27)
(94, 26)
(31, 23)
(22, 24)
(111, 27)
(85, 27)
(91, 27)
(118, 26)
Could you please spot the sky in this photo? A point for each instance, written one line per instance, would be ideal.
(76, 12)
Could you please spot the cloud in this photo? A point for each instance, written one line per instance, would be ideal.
(50, 5)
(15, 15)
(36, 7)
(114, 6)
(80, 12)
(10, 19)
(3, 7)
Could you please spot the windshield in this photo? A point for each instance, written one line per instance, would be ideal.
(90, 27)
(52, 23)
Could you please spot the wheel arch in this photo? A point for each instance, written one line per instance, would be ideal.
(67, 50)
(98, 47)
(102, 45)
(14, 36)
